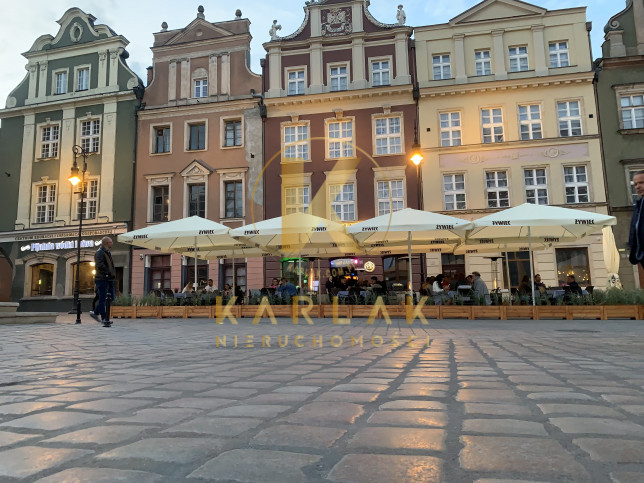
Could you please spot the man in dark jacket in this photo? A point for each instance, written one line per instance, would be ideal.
(104, 279)
(636, 237)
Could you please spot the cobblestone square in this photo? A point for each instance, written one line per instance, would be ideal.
(465, 401)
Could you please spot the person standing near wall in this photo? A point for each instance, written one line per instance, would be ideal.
(104, 279)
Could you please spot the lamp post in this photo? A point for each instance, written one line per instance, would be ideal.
(75, 180)
(417, 159)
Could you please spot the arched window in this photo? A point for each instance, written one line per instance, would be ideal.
(42, 279)
(86, 278)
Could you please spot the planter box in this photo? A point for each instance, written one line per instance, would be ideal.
(519, 311)
(585, 312)
(146, 312)
(174, 311)
(344, 311)
(123, 312)
(621, 312)
(488, 312)
(551, 312)
(363, 311)
(201, 311)
(281, 310)
(431, 311)
(455, 311)
(248, 311)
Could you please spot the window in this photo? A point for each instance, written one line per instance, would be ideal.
(233, 133)
(343, 201)
(396, 269)
(49, 137)
(518, 265)
(339, 78)
(452, 265)
(388, 135)
(576, 182)
(296, 142)
(391, 196)
(450, 128)
(530, 121)
(492, 125)
(86, 278)
(573, 261)
(61, 82)
(518, 59)
(441, 67)
(160, 272)
(90, 202)
(632, 108)
(82, 79)
(380, 73)
(340, 144)
(160, 203)
(454, 191)
(240, 275)
(42, 279)
(197, 200)
(46, 203)
(234, 199)
(295, 82)
(189, 271)
(559, 54)
(296, 199)
(197, 137)
(536, 186)
(569, 118)
(161, 140)
(90, 135)
(201, 88)
(498, 195)
(483, 62)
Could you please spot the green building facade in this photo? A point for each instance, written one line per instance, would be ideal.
(78, 91)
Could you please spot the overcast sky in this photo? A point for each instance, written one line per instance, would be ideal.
(22, 23)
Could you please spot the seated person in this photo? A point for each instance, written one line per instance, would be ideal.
(189, 288)
(210, 288)
(446, 283)
(539, 286)
(437, 287)
(525, 288)
(479, 288)
(227, 290)
(426, 287)
(574, 286)
(239, 293)
(469, 280)
(286, 288)
(274, 284)
(458, 281)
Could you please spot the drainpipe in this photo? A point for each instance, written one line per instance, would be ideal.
(139, 90)
(597, 68)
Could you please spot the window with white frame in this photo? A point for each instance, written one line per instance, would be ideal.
(340, 139)
(558, 52)
(234, 198)
(530, 121)
(196, 136)
(388, 135)
(161, 139)
(45, 203)
(450, 125)
(82, 79)
(380, 73)
(518, 58)
(391, 196)
(295, 82)
(441, 67)
(483, 62)
(569, 115)
(49, 139)
(196, 199)
(296, 199)
(90, 135)
(536, 186)
(343, 201)
(296, 142)
(90, 201)
(498, 195)
(454, 191)
(576, 183)
(160, 203)
(492, 125)
(60, 80)
(201, 88)
(632, 111)
(339, 78)
(233, 133)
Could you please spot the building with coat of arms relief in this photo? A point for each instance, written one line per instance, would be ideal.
(508, 116)
(340, 124)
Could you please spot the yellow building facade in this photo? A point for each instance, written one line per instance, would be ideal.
(507, 115)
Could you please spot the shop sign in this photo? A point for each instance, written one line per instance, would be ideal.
(369, 266)
(62, 245)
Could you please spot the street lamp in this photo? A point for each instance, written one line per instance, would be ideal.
(75, 180)
(417, 159)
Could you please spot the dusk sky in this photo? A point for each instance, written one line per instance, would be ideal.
(22, 23)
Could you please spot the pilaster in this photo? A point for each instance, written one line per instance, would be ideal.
(225, 74)
(42, 82)
(185, 79)
(212, 76)
(317, 77)
(102, 69)
(539, 47)
(172, 80)
(108, 161)
(356, 13)
(638, 18)
(500, 72)
(459, 59)
(402, 60)
(114, 68)
(315, 20)
(274, 72)
(359, 79)
(23, 216)
(66, 156)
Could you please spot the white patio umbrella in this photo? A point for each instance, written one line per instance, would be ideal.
(174, 236)
(529, 223)
(611, 257)
(298, 234)
(419, 229)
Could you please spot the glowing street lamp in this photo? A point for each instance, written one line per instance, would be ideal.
(77, 180)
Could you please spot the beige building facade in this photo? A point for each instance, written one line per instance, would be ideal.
(508, 116)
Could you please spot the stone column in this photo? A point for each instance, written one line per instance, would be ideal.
(274, 72)
(459, 59)
(317, 76)
(500, 72)
(359, 79)
(402, 60)
(23, 215)
(42, 81)
(68, 131)
(185, 79)
(172, 80)
(102, 69)
(538, 40)
(108, 160)
(212, 75)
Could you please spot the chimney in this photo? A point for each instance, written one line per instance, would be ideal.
(150, 74)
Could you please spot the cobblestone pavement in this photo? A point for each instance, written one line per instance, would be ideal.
(464, 401)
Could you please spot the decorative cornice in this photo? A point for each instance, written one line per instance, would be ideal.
(335, 97)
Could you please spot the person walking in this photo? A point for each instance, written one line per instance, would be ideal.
(636, 236)
(104, 280)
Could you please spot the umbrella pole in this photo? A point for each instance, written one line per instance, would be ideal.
(196, 281)
(319, 281)
(534, 302)
(507, 269)
(233, 271)
(299, 270)
(411, 285)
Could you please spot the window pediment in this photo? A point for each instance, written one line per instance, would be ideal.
(196, 172)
